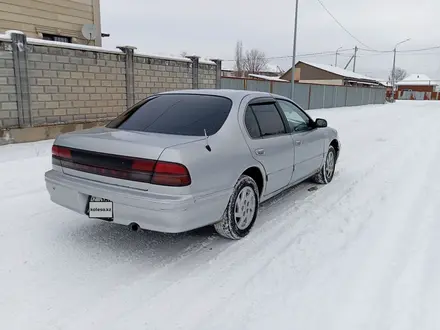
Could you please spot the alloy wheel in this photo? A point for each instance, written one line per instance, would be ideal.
(245, 206)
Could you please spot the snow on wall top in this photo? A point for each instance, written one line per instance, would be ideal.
(164, 57)
(206, 61)
(417, 80)
(36, 41)
(338, 71)
(230, 66)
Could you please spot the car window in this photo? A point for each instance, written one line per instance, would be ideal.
(298, 121)
(268, 119)
(251, 124)
(179, 114)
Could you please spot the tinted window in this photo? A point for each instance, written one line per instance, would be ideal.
(269, 119)
(298, 121)
(176, 114)
(251, 124)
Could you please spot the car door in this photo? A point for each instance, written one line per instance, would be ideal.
(270, 142)
(307, 139)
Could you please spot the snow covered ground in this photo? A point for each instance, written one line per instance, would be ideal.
(360, 253)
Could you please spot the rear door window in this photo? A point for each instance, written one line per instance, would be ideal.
(251, 124)
(269, 119)
(179, 114)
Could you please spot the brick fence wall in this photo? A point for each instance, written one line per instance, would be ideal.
(207, 76)
(8, 94)
(73, 85)
(154, 75)
(44, 83)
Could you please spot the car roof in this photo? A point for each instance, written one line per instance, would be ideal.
(233, 94)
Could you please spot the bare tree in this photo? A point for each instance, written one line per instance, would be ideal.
(255, 61)
(239, 60)
(183, 54)
(399, 75)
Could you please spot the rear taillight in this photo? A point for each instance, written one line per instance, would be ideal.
(143, 165)
(170, 174)
(141, 170)
(59, 153)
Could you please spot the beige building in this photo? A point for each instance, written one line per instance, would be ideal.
(58, 20)
(324, 74)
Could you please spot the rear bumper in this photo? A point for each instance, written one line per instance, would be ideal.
(164, 213)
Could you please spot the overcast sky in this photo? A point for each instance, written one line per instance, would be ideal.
(211, 29)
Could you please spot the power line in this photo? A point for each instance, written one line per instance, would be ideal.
(330, 52)
(376, 51)
(401, 51)
(418, 50)
(340, 24)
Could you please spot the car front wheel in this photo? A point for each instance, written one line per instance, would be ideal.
(241, 211)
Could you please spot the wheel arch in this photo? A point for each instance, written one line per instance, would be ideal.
(335, 144)
(259, 177)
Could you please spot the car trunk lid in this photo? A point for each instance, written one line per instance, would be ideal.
(116, 156)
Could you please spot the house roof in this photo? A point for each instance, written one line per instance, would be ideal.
(384, 82)
(417, 80)
(261, 76)
(339, 71)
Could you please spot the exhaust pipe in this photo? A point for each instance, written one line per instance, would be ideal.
(134, 226)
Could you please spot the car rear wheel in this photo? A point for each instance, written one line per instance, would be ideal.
(241, 211)
(327, 171)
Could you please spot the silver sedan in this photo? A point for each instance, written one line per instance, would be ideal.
(181, 160)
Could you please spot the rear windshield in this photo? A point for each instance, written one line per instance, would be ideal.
(180, 114)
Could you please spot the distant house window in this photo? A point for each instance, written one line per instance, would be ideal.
(54, 37)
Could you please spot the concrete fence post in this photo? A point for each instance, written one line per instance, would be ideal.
(218, 75)
(129, 73)
(20, 57)
(195, 71)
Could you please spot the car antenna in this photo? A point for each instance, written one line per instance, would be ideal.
(207, 142)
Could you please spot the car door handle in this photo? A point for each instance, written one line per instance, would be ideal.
(298, 142)
(259, 152)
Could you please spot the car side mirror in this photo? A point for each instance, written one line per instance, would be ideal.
(319, 122)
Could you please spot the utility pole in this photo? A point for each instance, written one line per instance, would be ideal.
(336, 58)
(393, 73)
(355, 55)
(294, 50)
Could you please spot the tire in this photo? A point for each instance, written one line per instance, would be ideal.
(325, 175)
(245, 195)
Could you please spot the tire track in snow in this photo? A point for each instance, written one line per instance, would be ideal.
(149, 288)
(233, 249)
(403, 308)
(357, 204)
(309, 298)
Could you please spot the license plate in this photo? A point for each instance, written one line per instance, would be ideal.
(100, 208)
